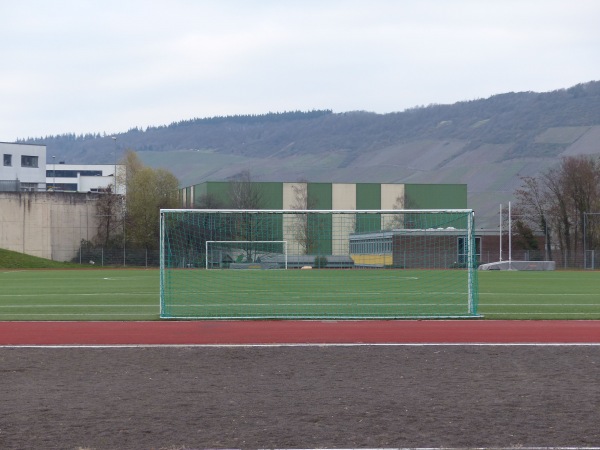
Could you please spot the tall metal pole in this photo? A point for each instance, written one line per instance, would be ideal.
(584, 240)
(115, 158)
(500, 231)
(509, 239)
(53, 173)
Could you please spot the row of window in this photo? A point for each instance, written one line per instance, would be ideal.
(32, 161)
(371, 246)
(73, 173)
(26, 161)
(67, 187)
(379, 246)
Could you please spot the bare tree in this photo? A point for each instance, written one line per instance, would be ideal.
(109, 213)
(403, 202)
(210, 201)
(534, 205)
(247, 195)
(558, 200)
(307, 227)
(581, 176)
(243, 193)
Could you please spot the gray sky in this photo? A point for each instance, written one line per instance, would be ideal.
(110, 65)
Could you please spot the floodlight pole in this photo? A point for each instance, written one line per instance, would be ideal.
(500, 231)
(584, 240)
(114, 138)
(585, 214)
(509, 239)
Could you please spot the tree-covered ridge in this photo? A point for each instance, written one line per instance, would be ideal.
(514, 119)
(238, 118)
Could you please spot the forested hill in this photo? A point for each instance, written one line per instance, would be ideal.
(486, 143)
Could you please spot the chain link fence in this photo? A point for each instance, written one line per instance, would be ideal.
(579, 260)
(118, 257)
(150, 258)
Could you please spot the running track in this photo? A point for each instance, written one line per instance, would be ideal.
(300, 332)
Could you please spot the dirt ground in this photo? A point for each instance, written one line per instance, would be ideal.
(299, 397)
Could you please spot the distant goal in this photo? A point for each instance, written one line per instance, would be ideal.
(296, 264)
(246, 255)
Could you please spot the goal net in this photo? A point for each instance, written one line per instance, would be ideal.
(218, 264)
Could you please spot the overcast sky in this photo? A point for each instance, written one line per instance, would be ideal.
(110, 65)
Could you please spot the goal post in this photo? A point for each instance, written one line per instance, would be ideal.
(343, 264)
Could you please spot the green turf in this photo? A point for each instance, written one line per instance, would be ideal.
(316, 293)
(131, 294)
(539, 295)
(126, 294)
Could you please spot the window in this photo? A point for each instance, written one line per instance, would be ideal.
(63, 173)
(7, 160)
(29, 187)
(29, 161)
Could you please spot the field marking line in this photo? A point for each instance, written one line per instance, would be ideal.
(585, 314)
(539, 294)
(154, 314)
(360, 344)
(95, 294)
(86, 305)
(541, 304)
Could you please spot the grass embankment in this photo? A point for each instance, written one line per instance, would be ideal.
(16, 260)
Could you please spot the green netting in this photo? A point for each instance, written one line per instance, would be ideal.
(238, 264)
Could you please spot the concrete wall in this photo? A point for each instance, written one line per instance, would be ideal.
(47, 224)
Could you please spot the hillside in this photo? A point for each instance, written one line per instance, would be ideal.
(487, 144)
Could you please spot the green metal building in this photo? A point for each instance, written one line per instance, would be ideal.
(336, 196)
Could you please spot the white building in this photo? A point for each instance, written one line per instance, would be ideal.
(84, 177)
(26, 167)
(23, 167)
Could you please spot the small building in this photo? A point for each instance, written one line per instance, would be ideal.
(27, 168)
(23, 167)
(84, 177)
(435, 248)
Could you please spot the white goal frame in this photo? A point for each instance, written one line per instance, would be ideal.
(183, 296)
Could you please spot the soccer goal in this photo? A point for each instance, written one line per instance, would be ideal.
(263, 264)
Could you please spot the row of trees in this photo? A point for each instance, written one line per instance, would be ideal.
(132, 220)
(563, 203)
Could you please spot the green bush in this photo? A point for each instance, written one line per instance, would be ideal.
(320, 262)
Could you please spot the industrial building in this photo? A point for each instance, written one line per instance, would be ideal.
(335, 196)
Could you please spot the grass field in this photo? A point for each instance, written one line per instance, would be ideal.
(131, 294)
(317, 294)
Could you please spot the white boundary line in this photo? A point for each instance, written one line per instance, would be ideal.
(494, 447)
(484, 344)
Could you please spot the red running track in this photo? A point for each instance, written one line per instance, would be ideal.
(300, 332)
